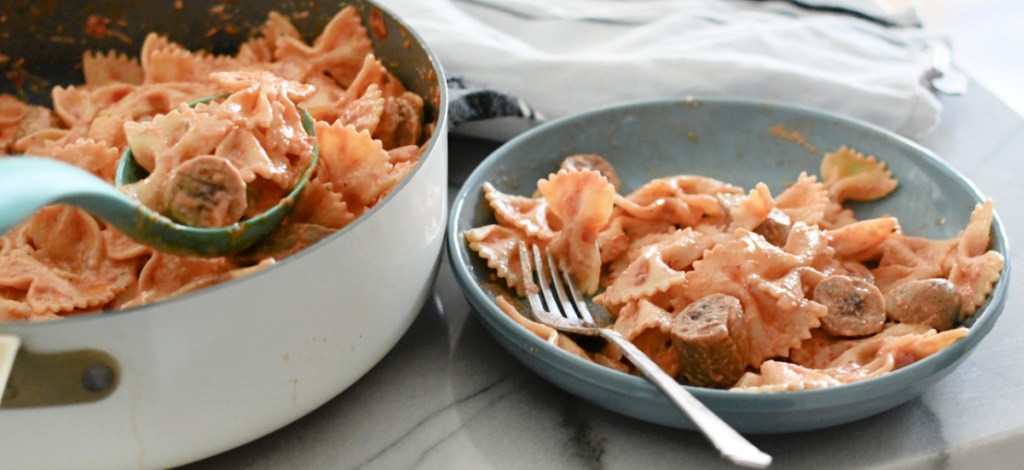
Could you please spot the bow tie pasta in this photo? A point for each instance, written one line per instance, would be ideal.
(210, 165)
(744, 290)
(201, 159)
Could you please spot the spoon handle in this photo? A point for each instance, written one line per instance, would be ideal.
(28, 184)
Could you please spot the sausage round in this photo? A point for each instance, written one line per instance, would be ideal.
(855, 307)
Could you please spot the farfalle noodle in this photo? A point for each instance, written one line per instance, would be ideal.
(648, 326)
(500, 247)
(529, 215)
(805, 201)
(112, 67)
(659, 266)
(850, 175)
(582, 202)
(974, 271)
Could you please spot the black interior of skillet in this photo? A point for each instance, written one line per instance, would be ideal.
(43, 40)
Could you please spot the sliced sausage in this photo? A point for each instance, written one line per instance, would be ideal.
(931, 302)
(775, 228)
(206, 191)
(593, 161)
(708, 354)
(855, 307)
(401, 122)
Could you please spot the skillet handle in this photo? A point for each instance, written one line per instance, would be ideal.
(9, 345)
(52, 379)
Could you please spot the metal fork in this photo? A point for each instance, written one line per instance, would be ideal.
(573, 316)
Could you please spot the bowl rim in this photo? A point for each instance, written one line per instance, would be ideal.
(441, 126)
(607, 378)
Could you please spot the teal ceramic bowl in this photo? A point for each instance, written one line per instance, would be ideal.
(730, 140)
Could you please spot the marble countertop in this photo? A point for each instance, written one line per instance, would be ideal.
(448, 396)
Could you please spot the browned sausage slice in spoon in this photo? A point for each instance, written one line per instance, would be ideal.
(206, 191)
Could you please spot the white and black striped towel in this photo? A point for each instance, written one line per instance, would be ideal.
(527, 58)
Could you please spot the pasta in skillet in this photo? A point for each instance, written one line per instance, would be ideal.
(745, 290)
(369, 129)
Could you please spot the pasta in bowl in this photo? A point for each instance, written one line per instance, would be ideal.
(777, 290)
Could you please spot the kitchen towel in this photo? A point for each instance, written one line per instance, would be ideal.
(557, 57)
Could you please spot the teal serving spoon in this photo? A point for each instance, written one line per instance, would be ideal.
(28, 184)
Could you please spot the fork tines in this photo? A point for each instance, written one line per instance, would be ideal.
(566, 311)
(572, 316)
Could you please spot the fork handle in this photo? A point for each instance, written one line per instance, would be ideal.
(730, 443)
